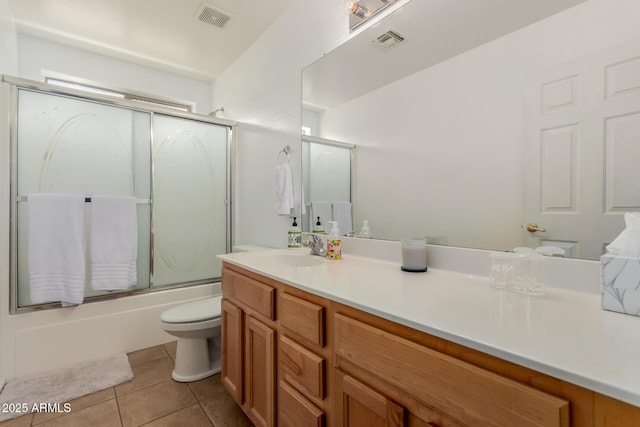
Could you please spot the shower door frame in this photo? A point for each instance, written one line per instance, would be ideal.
(15, 84)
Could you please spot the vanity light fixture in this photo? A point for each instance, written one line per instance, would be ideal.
(360, 11)
(354, 7)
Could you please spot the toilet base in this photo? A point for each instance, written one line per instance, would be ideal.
(190, 378)
(196, 359)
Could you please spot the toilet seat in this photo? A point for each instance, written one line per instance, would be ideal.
(196, 311)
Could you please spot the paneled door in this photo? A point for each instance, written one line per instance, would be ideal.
(361, 406)
(582, 147)
(233, 355)
(260, 365)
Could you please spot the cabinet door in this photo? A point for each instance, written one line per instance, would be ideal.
(361, 406)
(455, 388)
(296, 411)
(232, 356)
(260, 373)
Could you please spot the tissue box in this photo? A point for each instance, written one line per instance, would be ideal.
(620, 284)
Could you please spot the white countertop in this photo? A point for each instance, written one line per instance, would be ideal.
(563, 333)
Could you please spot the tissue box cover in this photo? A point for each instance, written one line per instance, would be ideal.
(620, 283)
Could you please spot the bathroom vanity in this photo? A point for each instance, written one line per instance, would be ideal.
(313, 342)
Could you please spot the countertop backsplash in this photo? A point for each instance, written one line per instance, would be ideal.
(565, 273)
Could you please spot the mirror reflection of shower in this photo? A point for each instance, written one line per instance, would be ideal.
(326, 173)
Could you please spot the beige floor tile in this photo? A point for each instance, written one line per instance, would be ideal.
(224, 412)
(193, 416)
(77, 405)
(171, 347)
(152, 397)
(207, 388)
(147, 354)
(146, 374)
(102, 415)
(154, 402)
(22, 421)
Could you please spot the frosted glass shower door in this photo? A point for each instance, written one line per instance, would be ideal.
(189, 200)
(67, 145)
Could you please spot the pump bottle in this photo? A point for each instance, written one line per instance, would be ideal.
(365, 233)
(318, 228)
(334, 243)
(294, 235)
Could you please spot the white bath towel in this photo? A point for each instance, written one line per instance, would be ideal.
(114, 242)
(342, 214)
(284, 189)
(56, 248)
(322, 210)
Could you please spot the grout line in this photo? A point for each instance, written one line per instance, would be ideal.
(206, 414)
(118, 407)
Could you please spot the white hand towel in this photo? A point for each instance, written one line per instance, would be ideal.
(284, 190)
(114, 242)
(342, 214)
(56, 248)
(322, 210)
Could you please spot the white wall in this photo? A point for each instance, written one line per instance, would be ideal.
(36, 55)
(8, 41)
(263, 90)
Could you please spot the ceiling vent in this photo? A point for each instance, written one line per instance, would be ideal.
(212, 15)
(389, 39)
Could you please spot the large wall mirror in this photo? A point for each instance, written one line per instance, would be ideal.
(475, 119)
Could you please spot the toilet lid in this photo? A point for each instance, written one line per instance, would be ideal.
(196, 311)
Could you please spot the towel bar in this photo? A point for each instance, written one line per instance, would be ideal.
(86, 199)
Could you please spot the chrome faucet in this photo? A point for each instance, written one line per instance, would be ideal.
(315, 243)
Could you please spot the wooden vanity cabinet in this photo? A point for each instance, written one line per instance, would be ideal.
(275, 353)
(293, 359)
(249, 349)
(361, 406)
(397, 368)
(303, 358)
(232, 332)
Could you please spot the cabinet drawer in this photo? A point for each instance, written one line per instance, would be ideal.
(296, 411)
(249, 292)
(302, 319)
(301, 368)
(463, 391)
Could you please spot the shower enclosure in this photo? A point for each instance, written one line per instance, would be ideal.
(177, 165)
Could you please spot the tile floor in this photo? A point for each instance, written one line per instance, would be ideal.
(152, 398)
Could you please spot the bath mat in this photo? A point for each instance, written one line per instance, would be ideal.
(51, 392)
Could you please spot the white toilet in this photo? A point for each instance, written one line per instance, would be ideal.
(197, 326)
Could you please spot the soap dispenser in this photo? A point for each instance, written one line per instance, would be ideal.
(295, 235)
(334, 244)
(318, 228)
(365, 233)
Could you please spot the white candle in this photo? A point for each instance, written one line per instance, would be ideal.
(414, 255)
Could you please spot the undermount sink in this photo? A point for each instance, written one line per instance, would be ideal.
(299, 260)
